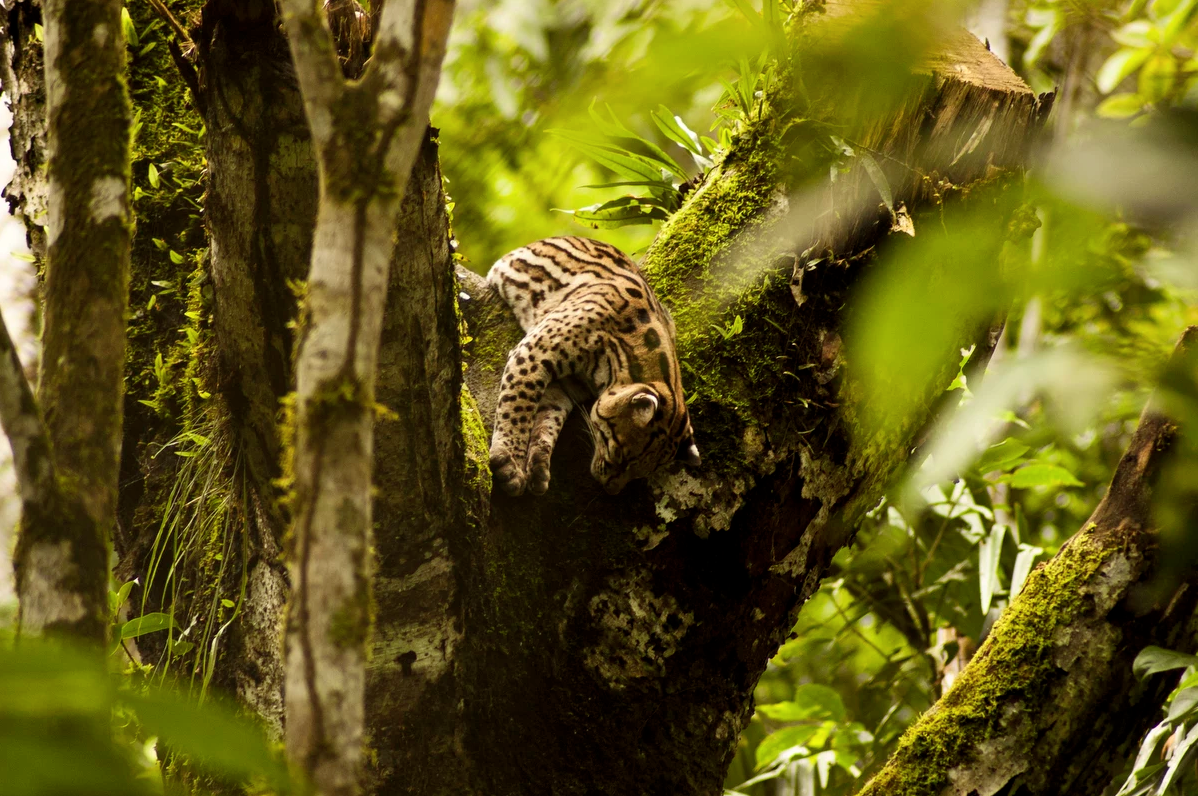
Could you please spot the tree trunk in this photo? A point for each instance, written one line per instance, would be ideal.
(22, 77)
(261, 208)
(62, 553)
(432, 482)
(1049, 705)
(614, 642)
(368, 136)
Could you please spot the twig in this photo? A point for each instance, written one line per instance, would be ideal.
(164, 12)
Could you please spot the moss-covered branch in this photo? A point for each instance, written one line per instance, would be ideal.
(1049, 704)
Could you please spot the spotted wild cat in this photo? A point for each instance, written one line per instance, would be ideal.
(589, 316)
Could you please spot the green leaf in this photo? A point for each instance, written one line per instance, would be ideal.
(778, 742)
(152, 173)
(181, 647)
(619, 212)
(1152, 660)
(1043, 475)
(617, 132)
(1121, 64)
(122, 593)
(1138, 34)
(129, 29)
(821, 699)
(149, 623)
(1158, 77)
(1182, 704)
(212, 736)
(879, 178)
(1179, 760)
(1043, 37)
(228, 603)
(628, 165)
(1002, 456)
(675, 129)
(1023, 567)
(989, 554)
(1120, 106)
(176, 258)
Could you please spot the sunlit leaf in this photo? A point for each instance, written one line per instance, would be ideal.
(1157, 77)
(1181, 759)
(212, 736)
(149, 623)
(1152, 660)
(1042, 475)
(778, 742)
(1120, 106)
(1001, 456)
(675, 129)
(989, 552)
(1023, 567)
(878, 177)
(1117, 67)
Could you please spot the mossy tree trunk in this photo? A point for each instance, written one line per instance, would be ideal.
(62, 552)
(1049, 704)
(367, 135)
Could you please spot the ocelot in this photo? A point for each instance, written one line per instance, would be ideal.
(589, 318)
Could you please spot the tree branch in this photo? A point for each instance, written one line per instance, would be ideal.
(316, 64)
(23, 425)
(165, 13)
(1049, 704)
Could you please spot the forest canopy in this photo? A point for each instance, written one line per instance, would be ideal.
(932, 267)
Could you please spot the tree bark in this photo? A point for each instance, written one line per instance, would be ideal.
(22, 77)
(1049, 704)
(432, 481)
(62, 561)
(615, 641)
(260, 208)
(367, 136)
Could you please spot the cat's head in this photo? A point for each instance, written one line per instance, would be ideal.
(638, 428)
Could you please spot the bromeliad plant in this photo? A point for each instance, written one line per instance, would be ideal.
(639, 163)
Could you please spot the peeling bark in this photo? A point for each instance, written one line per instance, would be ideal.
(62, 552)
(1049, 704)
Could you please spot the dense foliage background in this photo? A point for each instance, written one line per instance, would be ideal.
(542, 101)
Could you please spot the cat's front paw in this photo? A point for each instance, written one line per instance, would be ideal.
(506, 472)
(538, 468)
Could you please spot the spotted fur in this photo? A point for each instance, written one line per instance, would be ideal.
(590, 319)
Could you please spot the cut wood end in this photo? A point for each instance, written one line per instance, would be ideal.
(959, 55)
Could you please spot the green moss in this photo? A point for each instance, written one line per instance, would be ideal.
(167, 134)
(1014, 667)
(477, 446)
(722, 252)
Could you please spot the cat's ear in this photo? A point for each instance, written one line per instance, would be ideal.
(688, 452)
(644, 407)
